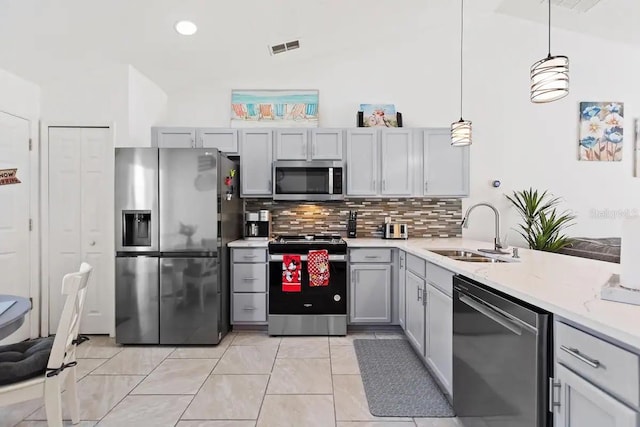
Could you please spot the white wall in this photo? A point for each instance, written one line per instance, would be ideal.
(19, 97)
(520, 143)
(147, 107)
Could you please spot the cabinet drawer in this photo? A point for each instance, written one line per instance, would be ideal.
(604, 364)
(249, 255)
(249, 277)
(440, 278)
(249, 308)
(417, 266)
(370, 255)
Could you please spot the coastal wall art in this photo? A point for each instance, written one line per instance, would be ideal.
(274, 108)
(601, 131)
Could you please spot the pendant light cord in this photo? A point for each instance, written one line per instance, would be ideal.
(549, 53)
(461, 56)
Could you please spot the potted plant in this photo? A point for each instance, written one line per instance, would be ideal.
(543, 224)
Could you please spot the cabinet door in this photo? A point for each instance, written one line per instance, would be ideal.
(173, 137)
(582, 404)
(256, 158)
(397, 148)
(446, 168)
(291, 144)
(401, 289)
(362, 162)
(414, 314)
(370, 294)
(225, 140)
(326, 144)
(439, 345)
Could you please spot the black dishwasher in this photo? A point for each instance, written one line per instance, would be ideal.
(501, 358)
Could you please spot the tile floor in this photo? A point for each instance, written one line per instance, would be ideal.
(249, 380)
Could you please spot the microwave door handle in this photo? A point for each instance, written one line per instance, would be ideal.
(330, 180)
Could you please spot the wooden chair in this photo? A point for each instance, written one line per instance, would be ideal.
(62, 359)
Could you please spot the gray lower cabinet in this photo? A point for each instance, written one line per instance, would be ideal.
(414, 311)
(370, 293)
(256, 159)
(596, 383)
(402, 271)
(362, 162)
(439, 335)
(249, 278)
(583, 404)
(445, 168)
(173, 137)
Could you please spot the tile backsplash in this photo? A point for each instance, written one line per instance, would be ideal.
(425, 217)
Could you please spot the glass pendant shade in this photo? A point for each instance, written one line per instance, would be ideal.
(550, 79)
(461, 133)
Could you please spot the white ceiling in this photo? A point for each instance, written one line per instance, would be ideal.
(233, 36)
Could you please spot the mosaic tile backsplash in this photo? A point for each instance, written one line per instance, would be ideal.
(425, 217)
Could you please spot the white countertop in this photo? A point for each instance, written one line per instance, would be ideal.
(248, 244)
(564, 285)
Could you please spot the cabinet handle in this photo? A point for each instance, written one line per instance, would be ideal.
(371, 256)
(552, 395)
(424, 297)
(313, 150)
(576, 353)
(426, 186)
(384, 184)
(250, 279)
(249, 308)
(250, 256)
(374, 184)
(419, 293)
(353, 276)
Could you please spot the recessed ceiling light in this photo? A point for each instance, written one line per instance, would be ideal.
(186, 28)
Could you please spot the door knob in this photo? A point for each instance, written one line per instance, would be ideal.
(92, 243)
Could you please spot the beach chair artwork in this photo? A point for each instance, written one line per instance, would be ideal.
(274, 108)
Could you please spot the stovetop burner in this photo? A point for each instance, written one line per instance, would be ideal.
(335, 244)
(310, 238)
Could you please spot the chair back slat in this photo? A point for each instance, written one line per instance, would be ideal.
(74, 286)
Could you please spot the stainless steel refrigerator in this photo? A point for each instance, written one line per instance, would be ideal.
(176, 210)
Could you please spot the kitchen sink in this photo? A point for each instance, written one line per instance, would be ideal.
(466, 255)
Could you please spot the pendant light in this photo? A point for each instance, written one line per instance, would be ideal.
(550, 76)
(461, 130)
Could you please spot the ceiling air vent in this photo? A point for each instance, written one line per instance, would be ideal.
(576, 5)
(284, 47)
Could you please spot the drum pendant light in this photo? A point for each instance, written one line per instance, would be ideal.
(550, 76)
(461, 130)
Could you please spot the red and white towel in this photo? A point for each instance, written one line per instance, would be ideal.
(291, 267)
(318, 268)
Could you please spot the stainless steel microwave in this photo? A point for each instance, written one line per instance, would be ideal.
(314, 180)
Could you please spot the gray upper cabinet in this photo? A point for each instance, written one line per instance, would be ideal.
(173, 137)
(583, 404)
(370, 293)
(256, 158)
(291, 144)
(326, 144)
(396, 149)
(415, 311)
(362, 162)
(446, 168)
(225, 140)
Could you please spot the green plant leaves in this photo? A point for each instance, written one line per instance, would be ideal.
(543, 223)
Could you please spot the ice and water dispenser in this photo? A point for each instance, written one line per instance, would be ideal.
(136, 228)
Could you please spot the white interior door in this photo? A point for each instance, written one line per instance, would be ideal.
(80, 218)
(14, 219)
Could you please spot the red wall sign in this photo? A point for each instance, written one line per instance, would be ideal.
(8, 176)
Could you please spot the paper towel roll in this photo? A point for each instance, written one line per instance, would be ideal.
(630, 253)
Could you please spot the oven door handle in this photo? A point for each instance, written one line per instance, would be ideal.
(338, 258)
(492, 314)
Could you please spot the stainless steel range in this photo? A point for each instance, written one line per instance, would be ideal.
(299, 303)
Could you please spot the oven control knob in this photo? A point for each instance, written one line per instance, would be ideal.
(337, 297)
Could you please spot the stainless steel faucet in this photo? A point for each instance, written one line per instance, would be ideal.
(497, 244)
